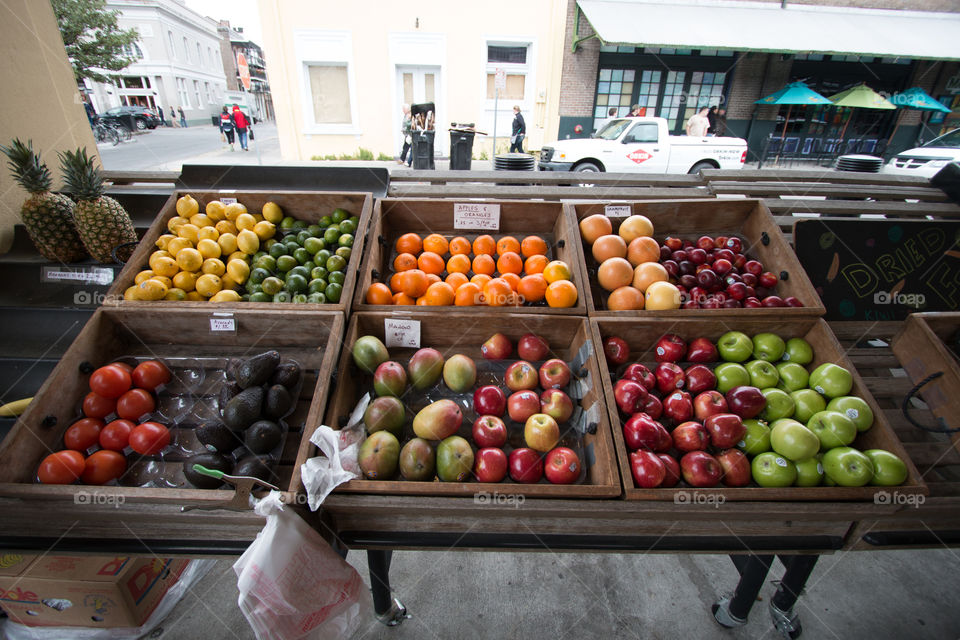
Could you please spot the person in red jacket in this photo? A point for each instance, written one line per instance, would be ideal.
(240, 121)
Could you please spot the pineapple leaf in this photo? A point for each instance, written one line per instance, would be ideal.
(81, 176)
(27, 168)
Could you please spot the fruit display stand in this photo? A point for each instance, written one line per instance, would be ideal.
(750, 219)
(393, 217)
(303, 205)
(569, 340)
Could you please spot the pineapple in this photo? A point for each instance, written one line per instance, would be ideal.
(103, 224)
(47, 216)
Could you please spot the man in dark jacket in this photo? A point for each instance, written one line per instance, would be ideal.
(519, 131)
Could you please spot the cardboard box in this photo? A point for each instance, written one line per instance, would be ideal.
(88, 591)
(13, 564)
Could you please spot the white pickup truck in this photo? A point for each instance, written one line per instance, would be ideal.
(643, 145)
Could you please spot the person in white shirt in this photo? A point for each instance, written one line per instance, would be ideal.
(698, 123)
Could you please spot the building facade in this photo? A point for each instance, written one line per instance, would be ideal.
(178, 62)
(233, 43)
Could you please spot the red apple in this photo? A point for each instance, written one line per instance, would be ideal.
(674, 244)
(700, 469)
(736, 467)
(526, 466)
(489, 400)
(753, 267)
(793, 301)
(521, 375)
(699, 378)
(490, 465)
(554, 374)
(497, 347)
(745, 401)
(672, 476)
(751, 302)
(629, 395)
(489, 431)
(653, 407)
(562, 466)
(670, 348)
(556, 404)
(725, 429)
(705, 242)
(678, 406)
(541, 432)
(639, 373)
(690, 436)
(643, 432)
(523, 404)
(767, 279)
(647, 469)
(532, 347)
(709, 403)
(669, 377)
(702, 350)
(616, 351)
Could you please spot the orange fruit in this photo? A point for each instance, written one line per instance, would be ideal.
(409, 243)
(643, 249)
(533, 246)
(458, 263)
(484, 244)
(404, 262)
(414, 283)
(379, 293)
(430, 262)
(510, 262)
(460, 246)
(422, 301)
(456, 280)
(498, 293)
(402, 298)
(480, 279)
(467, 295)
(508, 244)
(396, 282)
(592, 227)
(432, 277)
(615, 273)
(512, 279)
(609, 246)
(662, 295)
(625, 299)
(534, 264)
(532, 288)
(439, 294)
(484, 264)
(436, 243)
(635, 226)
(561, 294)
(557, 270)
(648, 273)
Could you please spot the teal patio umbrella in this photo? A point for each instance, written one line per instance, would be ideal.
(794, 93)
(915, 98)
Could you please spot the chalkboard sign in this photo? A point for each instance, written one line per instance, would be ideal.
(881, 269)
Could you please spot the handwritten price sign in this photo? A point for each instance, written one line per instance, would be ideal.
(481, 217)
(402, 333)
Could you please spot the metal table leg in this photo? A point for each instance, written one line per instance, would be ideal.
(389, 610)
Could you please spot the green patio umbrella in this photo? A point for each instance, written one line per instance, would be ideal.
(793, 93)
(915, 98)
(860, 97)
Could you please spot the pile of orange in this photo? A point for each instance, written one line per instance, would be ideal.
(629, 264)
(508, 272)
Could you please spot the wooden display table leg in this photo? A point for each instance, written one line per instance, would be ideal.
(389, 610)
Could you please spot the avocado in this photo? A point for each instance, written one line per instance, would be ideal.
(216, 436)
(287, 373)
(256, 467)
(262, 436)
(210, 461)
(257, 370)
(243, 409)
(230, 371)
(227, 391)
(278, 402)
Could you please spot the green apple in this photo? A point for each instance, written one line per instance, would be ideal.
(808, 402)
(735, 346)
(762, 374)
(792, 440)
(779, 404)
(793, 376)
(798, 350)
(757, 438)
(847, 467)
(854, 408)
(768, 346)
(809, 472)
(888, 469)
(771, 470)
(831, 380)
(833, 428)
(730, 375)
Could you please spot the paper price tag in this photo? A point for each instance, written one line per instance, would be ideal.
(482, 217)
(223, 323)
(402, 333)
(228, 200)
(617, 210)
(84, 275)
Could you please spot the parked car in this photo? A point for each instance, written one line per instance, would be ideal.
(142, 118)
(926, 160)
(643, 145)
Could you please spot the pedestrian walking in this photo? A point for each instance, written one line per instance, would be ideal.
(183, 118)
(163, 122)
(173, 117)
(227, 127)
(519, 131)
(698, 123)
(91, 112)
(405, 130)
(241, 123)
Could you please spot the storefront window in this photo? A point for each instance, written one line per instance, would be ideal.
(614, 90)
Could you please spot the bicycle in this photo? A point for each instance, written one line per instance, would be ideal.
(104, 130)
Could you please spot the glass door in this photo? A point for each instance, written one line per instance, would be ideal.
(416, 85)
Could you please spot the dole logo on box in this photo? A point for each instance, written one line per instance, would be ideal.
(19, 595)
(146, 576)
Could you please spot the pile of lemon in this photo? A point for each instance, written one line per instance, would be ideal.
(205, 256)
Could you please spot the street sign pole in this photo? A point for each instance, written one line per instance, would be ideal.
(499, 82)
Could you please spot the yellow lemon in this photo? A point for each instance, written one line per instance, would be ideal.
(175, 294)
(175, 222)
(225, 226)
(155, 258)
(227, 242)
(208, 284)
(257, 217)
(167, 282)
(177, 245)
(187, 206)
(189, 232)
(143, 275)
(130, 293)
(234, 210)
(216, 210)
(245, 221)
(225, 295)
(185, 280)
(194, 296)
(165, 266)
(238, 255)
(201, 220)
(248, 241)
(164, 239)
(208, 233)
(151, 289)
(265, 230)
(238, 270)
(226, 282)
(272, 212)
(189, 259)
(214, 266)
(209, 248)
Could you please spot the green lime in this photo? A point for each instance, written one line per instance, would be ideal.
(291, 242)
(266, 244)
(258, 255)
(336, 263)
(277, 250)
(285, 263)
(258, 275)
(317, 298)
(331, 235)
(313, 245)
(302, 237)
(315, 229)
(283, 296)
(296, 283)
(355, 220)
(299, 270)
(339, 215)
(302, 255)
(333, 292)
(253, 287)
(245, 298)
(300, 224)
(322, 256)
(318, 272)
(300, 298)
(317, 285)
(260, 297)
(345, 240)
(267, 262)
(287, 222)
(272, 285)
(310, 265)
(337, 276)
(325, 222)
(348, 226)
(344, 252)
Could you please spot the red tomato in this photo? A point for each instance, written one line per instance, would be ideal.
(103, 466)
(151, 374)
(116, 435)
(83, 434)
(96, 406)
(135, 403)
(62, 467)
(110, 381)
(149, 438)
(123, 365)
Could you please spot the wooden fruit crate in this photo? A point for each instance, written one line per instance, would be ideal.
(921, 347)
(303, 205)
(567, 337)
(393, 217)
(310, 338)
(641, 335)
(750, 219)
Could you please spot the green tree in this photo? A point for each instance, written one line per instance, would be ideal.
(93, 39)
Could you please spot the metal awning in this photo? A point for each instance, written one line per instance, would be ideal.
(760, 26)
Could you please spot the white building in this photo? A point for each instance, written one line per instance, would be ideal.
(179, 62)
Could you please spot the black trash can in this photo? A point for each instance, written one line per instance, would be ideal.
(127, 121)
(423, 149)
(215, 120)
(461, 149)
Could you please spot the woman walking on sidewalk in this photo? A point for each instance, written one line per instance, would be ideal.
(519, 131)
(226, 126)
(240, 121)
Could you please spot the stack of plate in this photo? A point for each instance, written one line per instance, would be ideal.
(861, 163)
(514, 162)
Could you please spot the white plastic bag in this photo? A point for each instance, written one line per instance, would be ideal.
(338, 464)
(293, 585)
